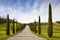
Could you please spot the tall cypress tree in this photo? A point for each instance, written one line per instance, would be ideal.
(16, 26)
(35, 27)
(39, 27)
(8, 27)
(50, 22)
(13, 27)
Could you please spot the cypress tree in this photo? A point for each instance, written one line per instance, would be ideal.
(8, 27)
(50, 22)
(13, 27)
(16, 26)
(32, 27)
(35, 27)
(39, 27)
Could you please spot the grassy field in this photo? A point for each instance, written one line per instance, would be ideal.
(3, 35)
(44, 30)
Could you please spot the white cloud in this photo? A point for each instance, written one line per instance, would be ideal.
(44, 12)
(36, 4)
(2, 11)
(32, 15)
(56, 13)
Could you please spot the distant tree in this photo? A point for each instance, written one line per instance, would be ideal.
(39, 27)
(57, 21)
(8, 27)
(2, 20)
(13, 27)
(50, 31)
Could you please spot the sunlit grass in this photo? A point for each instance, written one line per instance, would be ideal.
(44, 32)
(3, 35)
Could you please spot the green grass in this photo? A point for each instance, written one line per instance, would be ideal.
(44, 34)
(57, 24)
(3, 35)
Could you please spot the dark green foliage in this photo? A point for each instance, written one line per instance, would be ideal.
(8, 30)
(57, 21)
(50, 22)
(39, 27)
(19, 26)
(3, 20)
(31, 25)
(13, 27)
(35, 27)
(23, 26)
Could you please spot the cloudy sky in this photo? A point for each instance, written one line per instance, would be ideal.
(26, 11)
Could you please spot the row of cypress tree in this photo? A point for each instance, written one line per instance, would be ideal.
(8, 26)
(39, 26)
(16, 26)
(33, 26)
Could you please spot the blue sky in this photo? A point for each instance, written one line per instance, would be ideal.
(26, 11)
